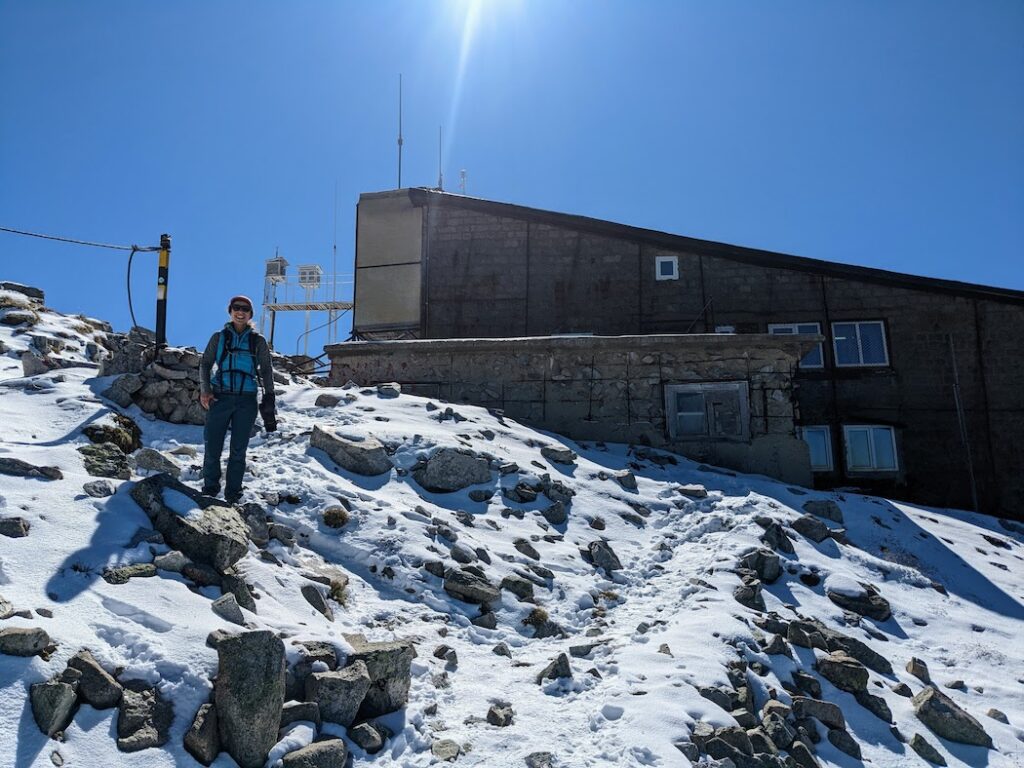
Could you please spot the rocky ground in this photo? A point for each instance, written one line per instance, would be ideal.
(408, 582)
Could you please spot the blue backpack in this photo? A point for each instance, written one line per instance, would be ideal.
(241, 363)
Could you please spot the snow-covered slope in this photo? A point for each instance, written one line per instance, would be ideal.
(663, 626)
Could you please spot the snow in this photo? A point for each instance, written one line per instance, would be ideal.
(663, 625)
(180, 504)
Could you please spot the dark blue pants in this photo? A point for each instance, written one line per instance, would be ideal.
(239, 413)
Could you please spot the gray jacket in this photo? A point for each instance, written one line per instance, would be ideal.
(263, 366)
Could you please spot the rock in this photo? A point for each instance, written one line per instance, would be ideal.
(736, 738)
(902, 689)
(144, 718)
(501, 715)
(202, 740)
(226, 606)
(14, 527)
(876, 705)
(23, 641)
(920, 744)
(525, 547)
(25, 290)
(777, 647)
(778, 730)
(106, 460)
(339, 694)
(255, 519)
(445, 749)
(803, 755)
(53, 705)
(749, 595)
(844, 742)
(19, 468)
(919, 669)
(996, 714)
(296, 711)
(249, 694)
(15, 317)
(450, 469)
(237, 587)
(365, 457)
(826, 508)
(946, 719)
(316, 599)
(467, 586)
(868, 603)
(603, 556)
(558, 455)
(555, 514)
(827, 712)
(389, 666)
(626, 479)
(811, 527)
(518, 586)
(692, 491)
(540, 760)
(806, 682)
(123, 573)
(96, 686)
(212, 534)
(148, 458)
(98, 489)
(837, 641)
(6, 608)
(844, 672)
(765, 563)
(556, 669)
(369, 736)
(320, 754)
(327, 400)
(775, 536)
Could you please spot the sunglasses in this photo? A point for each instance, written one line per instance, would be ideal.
(241, 308)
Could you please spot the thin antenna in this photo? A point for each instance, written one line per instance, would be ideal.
(462, 181)
(400, 142)
(332, 327)
(440, 176)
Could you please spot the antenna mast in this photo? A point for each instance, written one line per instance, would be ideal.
(440, 176)
(400, 131)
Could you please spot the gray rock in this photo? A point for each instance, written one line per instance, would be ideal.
(859, 650)
(320, 754)
(825, 711)
(555, 514)
(445, 749)
(469, 587)
(603, 556)
(558, 455)
(946, 719)
(556, 669)
(368, 736)
(844, 672)
(389, 389)
(237, 587)
(876, 705)
(920, 744)
(23, 641)
(501, 715)
(98, 489)
(25, 290)
(202, 739)
(844, 742)
(53, 705)
(389, 666)
(776, 646)
(997, 714)
(327, 400)
(778, 730)
(825, 508)
(518, 586)
(540, 760)
(451, 469)
(525, 547)
(765, 563)
(296, 711)
(19, 468)
(96, 686)
(692, 491)
(151, 459)
(316, 599)
(365, 457)
(736, 738)
(6, 608)
(811, 527)
(749, 594)
(216, 536)
(226, 606)
(339, 694)
(106, 460)
(868, 603)
(144, 718)
(919, 669)
(775, 536)
(803, 755)
(249, 694)
(806, 682)
(14, 527)
(122, 574)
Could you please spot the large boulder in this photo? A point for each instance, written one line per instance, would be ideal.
(362, 457)
(331, 753)
(249, 694)
(825, 711)
(339, 694)
(844, 672)
(144, 719)
(865, 603)
(202, 739)
(18, 468)
(106, 460)
(97, 687)
(451, 469)
(23, 641)
(389, 665)
(603, 556)
(765, 563)
(946, 719)
(153, 460)
(196, 525)
(825, 508)
(467, 586)
(53, 704)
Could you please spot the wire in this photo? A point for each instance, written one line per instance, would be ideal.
(133, 248)
(130, 310)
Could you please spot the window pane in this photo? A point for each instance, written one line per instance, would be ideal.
(847, 352)
(872, 343)
(812, 359)
(808, 328)
(817, 441)
(857, 444)
(665, 267)
(725, 419)
(885, 456)
(780, 330)
(690, 402)
(691, 424)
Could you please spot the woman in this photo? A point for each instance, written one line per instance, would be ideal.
(242, 359)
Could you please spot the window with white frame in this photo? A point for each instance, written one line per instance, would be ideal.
(870, 448)
(819, 442)
(813, 359)
(718, 410)
(860, 343)
(666, 267)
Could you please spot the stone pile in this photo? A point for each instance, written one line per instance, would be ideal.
(164, 383)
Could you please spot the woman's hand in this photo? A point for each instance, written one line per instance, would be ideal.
(205, 400)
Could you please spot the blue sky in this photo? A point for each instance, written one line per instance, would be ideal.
(887, 134)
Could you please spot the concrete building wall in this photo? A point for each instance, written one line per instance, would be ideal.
(604, 388)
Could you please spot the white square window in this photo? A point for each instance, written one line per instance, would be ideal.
(666, 267)
(819, 441)
(870, 448)
(860, 343)
(813, 359)
(718, 410)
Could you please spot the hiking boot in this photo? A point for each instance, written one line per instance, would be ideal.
(210, 490)
(232, 498)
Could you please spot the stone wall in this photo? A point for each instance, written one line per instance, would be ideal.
(602, 388)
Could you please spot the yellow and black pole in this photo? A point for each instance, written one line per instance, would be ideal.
(161, 291)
